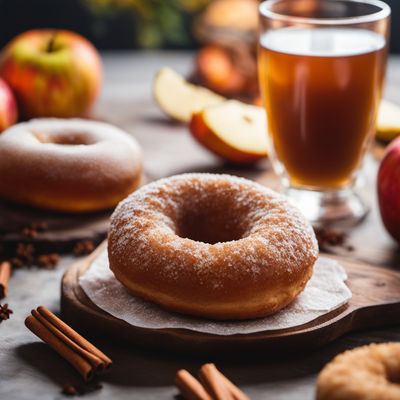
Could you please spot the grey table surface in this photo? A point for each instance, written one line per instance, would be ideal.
(29, 369)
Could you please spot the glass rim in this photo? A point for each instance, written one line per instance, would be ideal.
(384, 12)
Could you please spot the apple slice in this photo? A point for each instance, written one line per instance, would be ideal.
(388, 122)
(232, 130)
(179, 98)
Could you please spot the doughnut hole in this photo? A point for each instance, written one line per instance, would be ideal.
(64, 138)
(213, 219)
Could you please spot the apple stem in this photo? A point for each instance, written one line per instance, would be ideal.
(50, 45)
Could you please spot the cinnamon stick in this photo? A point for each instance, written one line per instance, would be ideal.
(215, 385)
(75, 336)
(5, 272)
(81, 354)
(233, 389)
(190, 387)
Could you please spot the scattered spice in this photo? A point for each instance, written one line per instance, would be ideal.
(27, 256)
(329, 237)
(25, 252)
(48, 261)
(69, 390)
(16, 263)
(80, 389)
(5, 312)
(32, 231)
(29, 233)
(83, 247)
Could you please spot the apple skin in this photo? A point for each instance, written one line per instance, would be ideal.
(212, 142)
(8, 106)
(53, 73)
(388, 186)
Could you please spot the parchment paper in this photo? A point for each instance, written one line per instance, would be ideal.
(324, 292)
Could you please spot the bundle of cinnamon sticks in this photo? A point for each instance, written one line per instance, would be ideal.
(212, 385)
(87, 359)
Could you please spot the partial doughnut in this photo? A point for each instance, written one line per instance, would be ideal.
(69, 165)
(365, 373)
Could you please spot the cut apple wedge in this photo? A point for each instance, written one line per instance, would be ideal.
(232, 130)
(179, 98)
(388, 122)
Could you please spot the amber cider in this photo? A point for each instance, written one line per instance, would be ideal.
(321, 89)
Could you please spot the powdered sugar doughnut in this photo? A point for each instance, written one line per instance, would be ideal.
(367, 372)
(210, 245)
(68, 165)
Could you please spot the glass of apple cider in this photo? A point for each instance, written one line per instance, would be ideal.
(321, 68)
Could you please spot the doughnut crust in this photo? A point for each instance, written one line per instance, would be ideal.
(209, 245)
(69, 165)
(366, 373)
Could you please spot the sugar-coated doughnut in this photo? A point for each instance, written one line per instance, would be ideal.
(365, 373)
(211, 245)
(70, 165)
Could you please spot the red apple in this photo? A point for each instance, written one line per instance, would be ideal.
(53, 73)
(389, 189)
(218, 71)
(8, 107)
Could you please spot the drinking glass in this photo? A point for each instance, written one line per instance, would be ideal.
(321, 70)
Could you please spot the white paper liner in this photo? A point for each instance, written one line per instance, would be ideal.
(325, 292)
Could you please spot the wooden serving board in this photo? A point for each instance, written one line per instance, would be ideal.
(375, 303)
(62, 233)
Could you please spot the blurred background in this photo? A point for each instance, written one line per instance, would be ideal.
(222, 31)
(128, 24)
